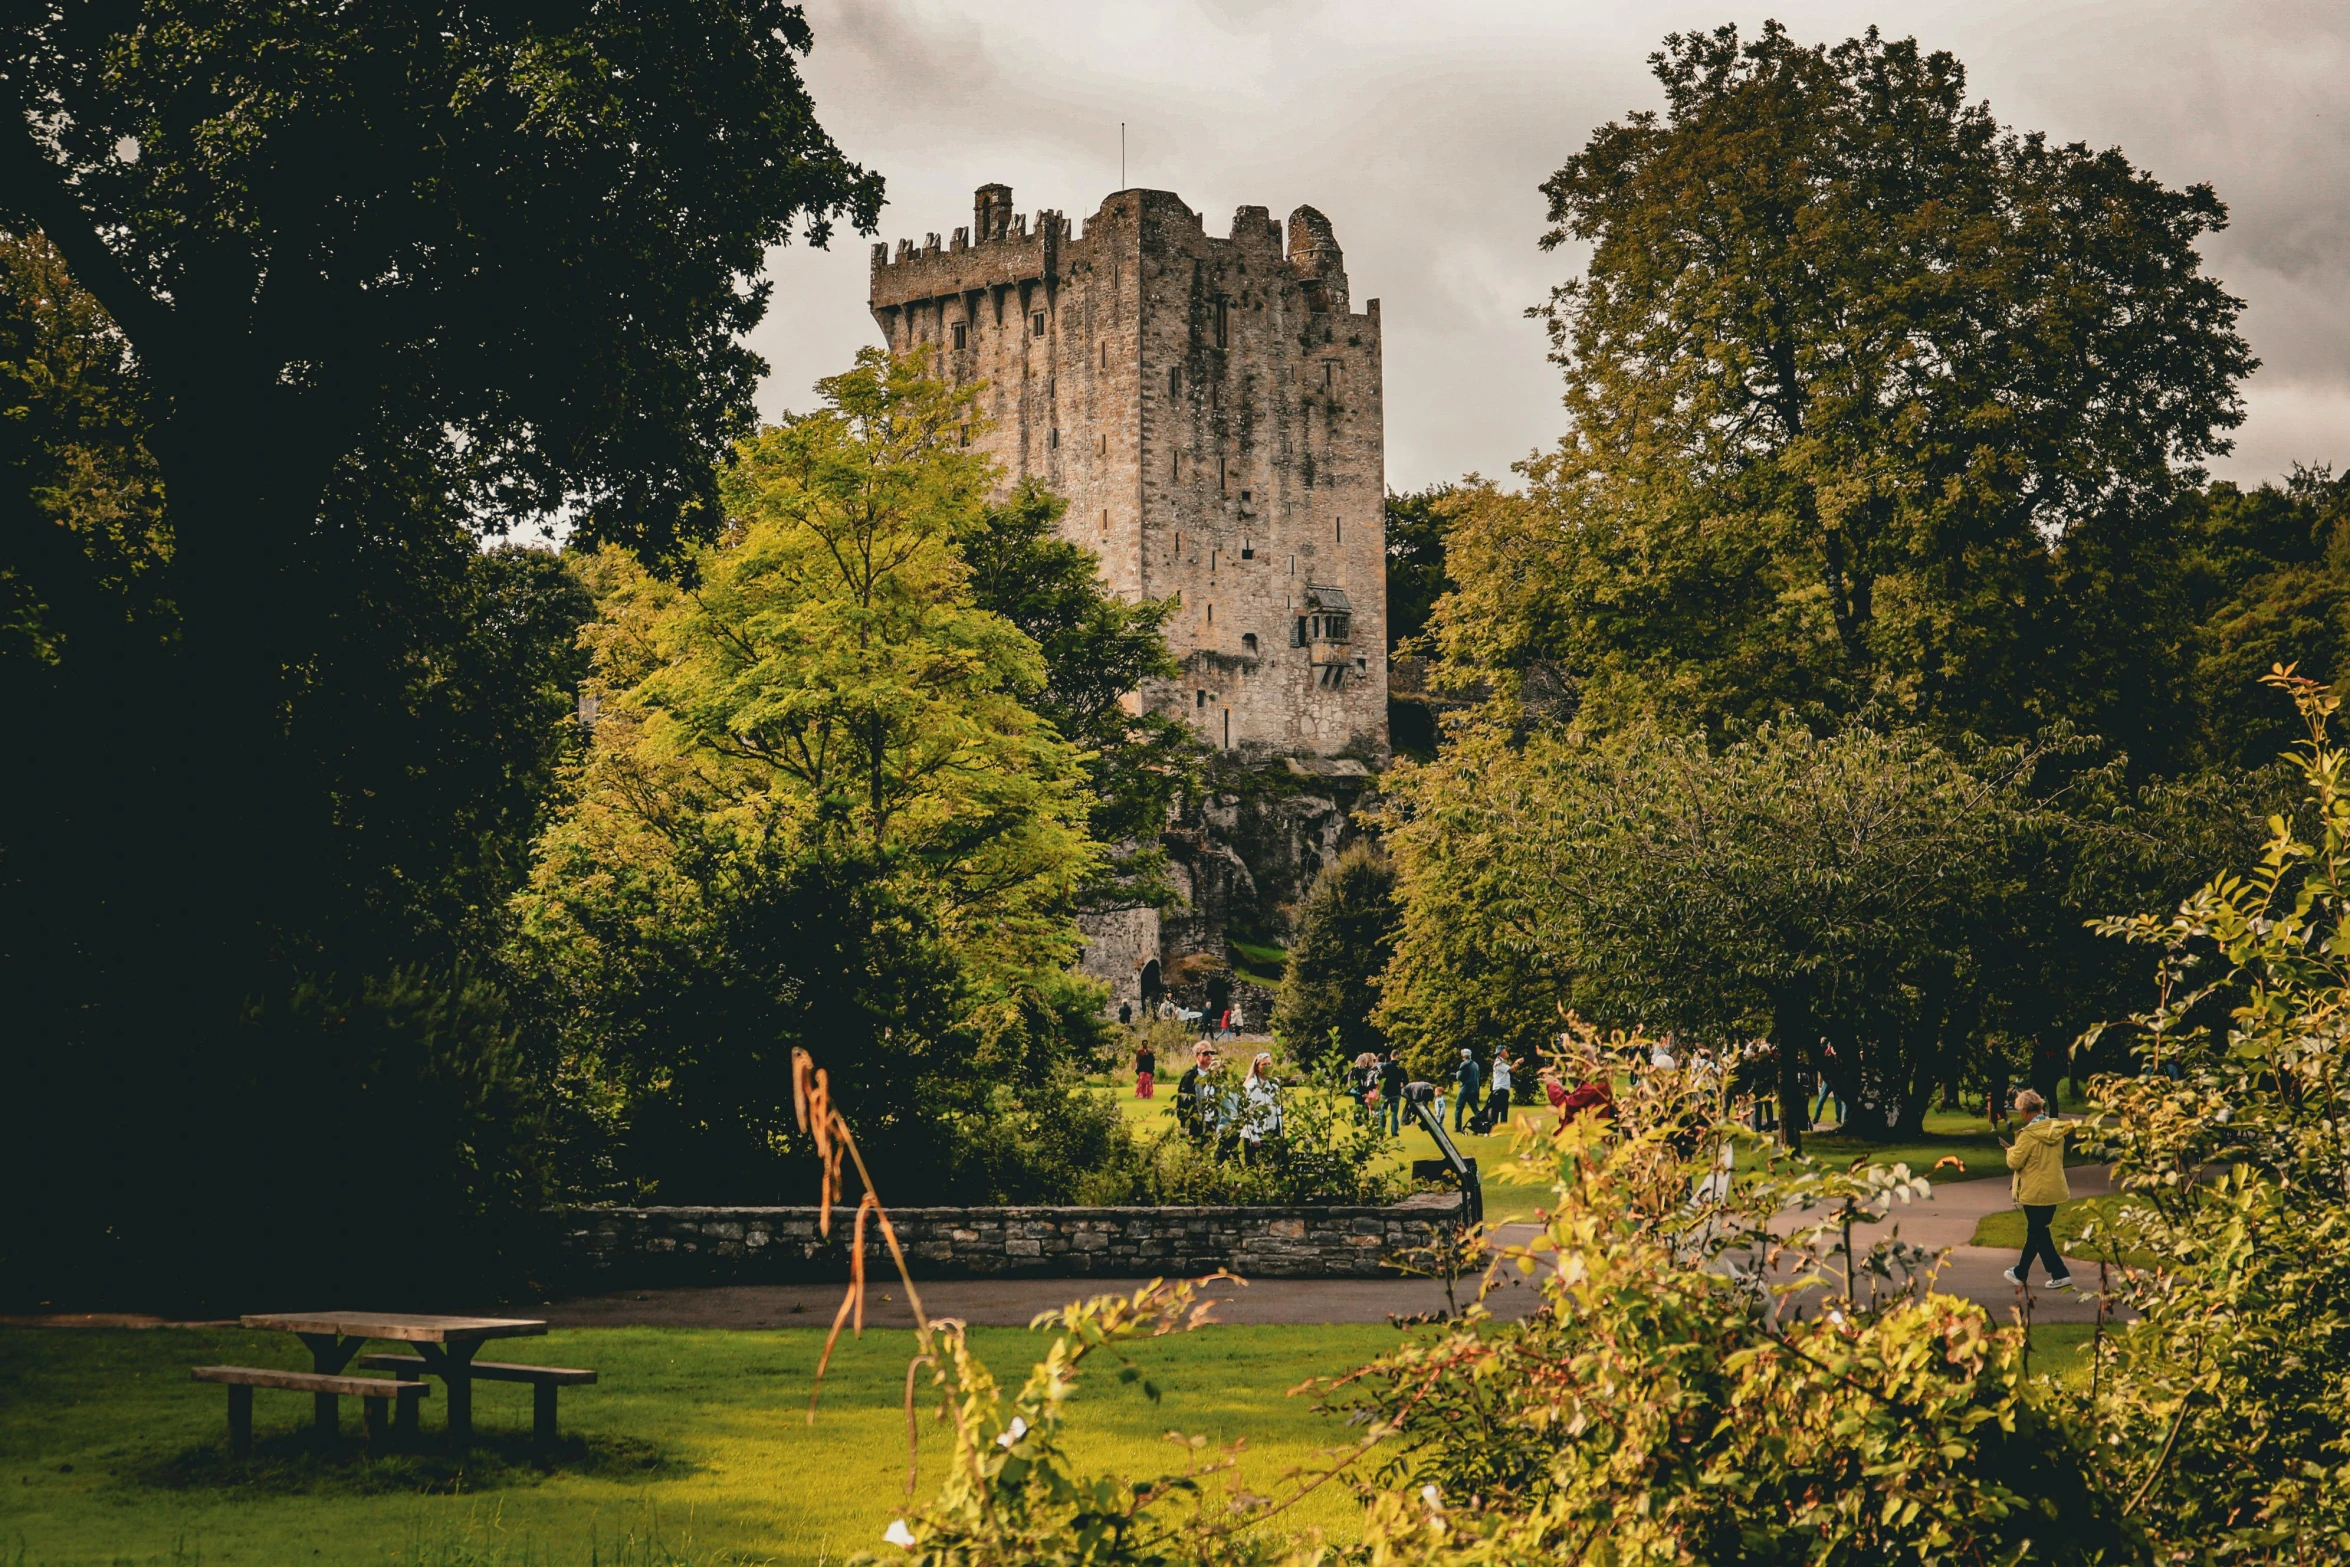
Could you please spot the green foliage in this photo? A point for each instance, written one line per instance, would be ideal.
(2230, 1391)
(1344, 935)
(2266, 579)
(1097, 649)
(1672, 1401)
(1781, 884)
(1683, 1404)
(820, 811)
(1416, 579)
(1327, 1152)
(1902, 423)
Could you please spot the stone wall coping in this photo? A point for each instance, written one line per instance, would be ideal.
(1418, 1202)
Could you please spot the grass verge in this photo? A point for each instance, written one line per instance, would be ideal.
(694, 1448)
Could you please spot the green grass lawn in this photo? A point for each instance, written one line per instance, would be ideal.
(693, 1448)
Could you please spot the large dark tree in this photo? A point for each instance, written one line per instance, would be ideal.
(375, 279)
(1871, 398)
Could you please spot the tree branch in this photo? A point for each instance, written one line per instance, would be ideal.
(45, 192)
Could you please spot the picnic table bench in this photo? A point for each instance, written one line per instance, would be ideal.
(445, 1347)
(328, 1391)
(543, 1380)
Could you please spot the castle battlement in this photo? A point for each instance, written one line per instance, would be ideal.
(1211, 407)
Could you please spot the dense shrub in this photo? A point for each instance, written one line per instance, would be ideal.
(1344, 935)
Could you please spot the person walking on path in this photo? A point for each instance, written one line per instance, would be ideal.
(1392, 1077)
(1470, 1078)
(1831, 1090)
(2037, 1158)
(1146, 1070)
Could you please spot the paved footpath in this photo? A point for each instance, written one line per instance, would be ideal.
(1945, 1219)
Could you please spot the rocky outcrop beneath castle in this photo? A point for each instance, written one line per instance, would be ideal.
(655, 1247)
(1240, 858)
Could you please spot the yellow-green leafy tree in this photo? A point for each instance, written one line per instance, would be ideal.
(820, 808)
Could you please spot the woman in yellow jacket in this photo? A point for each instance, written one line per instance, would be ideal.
(2037, 1158)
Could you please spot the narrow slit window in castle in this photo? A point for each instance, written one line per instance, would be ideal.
(1174, 380)
(1341, 521)
(1203, 699)
(1248, 550)
(1105, 445)
(962, 335)
(1211, 607)
(1223, 324)
(1036, 324)
(1297, 635)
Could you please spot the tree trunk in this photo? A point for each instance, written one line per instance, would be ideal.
(1795, 1037)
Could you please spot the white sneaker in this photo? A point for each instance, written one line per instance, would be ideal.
(2064, 1283)
(2009, 1275)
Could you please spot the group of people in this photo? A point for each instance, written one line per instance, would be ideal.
(1376, 1086)
(1213, 1023)
(1216, 1109)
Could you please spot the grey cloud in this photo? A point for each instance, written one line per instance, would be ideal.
(1424, 132)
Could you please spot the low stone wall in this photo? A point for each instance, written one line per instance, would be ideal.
(657, 1246)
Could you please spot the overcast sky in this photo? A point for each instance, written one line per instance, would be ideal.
(1424, 132)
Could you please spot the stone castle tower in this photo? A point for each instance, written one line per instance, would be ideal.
(1211, 410)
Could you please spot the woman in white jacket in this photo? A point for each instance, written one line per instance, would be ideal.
(1260, 1104)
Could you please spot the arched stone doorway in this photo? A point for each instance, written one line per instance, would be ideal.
(1152, 988)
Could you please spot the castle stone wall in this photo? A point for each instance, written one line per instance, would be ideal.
(1211, 409)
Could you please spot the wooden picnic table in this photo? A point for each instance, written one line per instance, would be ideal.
(446, 1344)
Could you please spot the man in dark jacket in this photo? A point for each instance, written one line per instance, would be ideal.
(1187, 1097)
(1471, 1078)
(1392, 1077)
